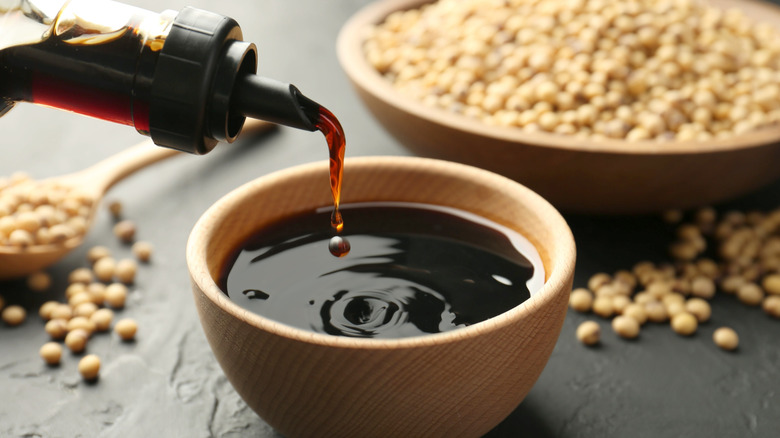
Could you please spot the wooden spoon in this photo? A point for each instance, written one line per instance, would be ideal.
(93, 182)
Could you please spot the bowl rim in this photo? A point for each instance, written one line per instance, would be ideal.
(365, 77)
(557, 281)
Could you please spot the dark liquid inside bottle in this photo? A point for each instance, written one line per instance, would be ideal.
(413, 269)
(87, 68)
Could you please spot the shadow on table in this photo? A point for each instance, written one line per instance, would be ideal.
(524, 421)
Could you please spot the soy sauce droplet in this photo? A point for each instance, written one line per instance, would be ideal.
(336, 221)
(339, 246)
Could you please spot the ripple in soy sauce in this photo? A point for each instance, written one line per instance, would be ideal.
(413, 269)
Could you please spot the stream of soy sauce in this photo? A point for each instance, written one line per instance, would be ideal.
(330, 126)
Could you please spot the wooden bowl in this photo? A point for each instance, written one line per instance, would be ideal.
(577, 175)
(456, 383)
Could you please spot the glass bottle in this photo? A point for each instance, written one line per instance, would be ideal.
(186, 78)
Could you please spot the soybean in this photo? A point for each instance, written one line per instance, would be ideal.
(699, 308)
(142, 251)
(89, 367)
(46, 309)
(684, 324)
(116, 295)
(126, 270)
(581, 300)
(104, 269)
(589, 333)
(14, 315)
(726, 338)
(96, 253)
(125, 231)
(57, 328)
(102, 319)
(625, 327)
(126, 329)
(51, 352)
(76, 340)
(771, 305)
(39, 281)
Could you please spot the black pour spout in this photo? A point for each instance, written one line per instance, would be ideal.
(267, 99)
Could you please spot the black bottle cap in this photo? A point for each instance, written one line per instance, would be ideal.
(196, 70)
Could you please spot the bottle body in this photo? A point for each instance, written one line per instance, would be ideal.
(90, 57)
(23, 22)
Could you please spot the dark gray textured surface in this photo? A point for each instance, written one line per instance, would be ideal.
(168, 383)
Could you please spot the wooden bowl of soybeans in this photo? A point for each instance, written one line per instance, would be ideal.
(599, 106)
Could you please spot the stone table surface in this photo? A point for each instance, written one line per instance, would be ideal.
(168, 384)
